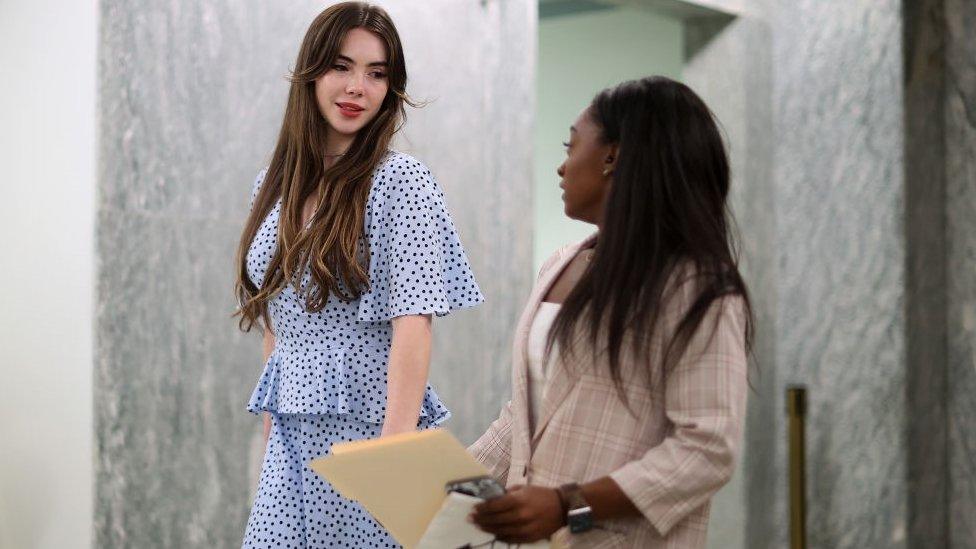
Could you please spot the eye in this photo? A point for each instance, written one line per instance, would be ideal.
(340, 67)
(378, 74)
(566, 145)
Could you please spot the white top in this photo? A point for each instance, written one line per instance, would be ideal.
(538, 370)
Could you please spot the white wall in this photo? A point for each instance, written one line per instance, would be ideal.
(580, 55)
(47, 154)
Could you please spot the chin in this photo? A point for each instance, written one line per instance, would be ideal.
(568, 211)
(577, 216)
(345, 128)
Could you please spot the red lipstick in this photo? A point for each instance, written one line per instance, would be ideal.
(350, 110)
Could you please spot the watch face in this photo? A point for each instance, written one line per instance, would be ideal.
(580, 520)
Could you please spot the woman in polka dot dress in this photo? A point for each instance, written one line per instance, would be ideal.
(346, 254)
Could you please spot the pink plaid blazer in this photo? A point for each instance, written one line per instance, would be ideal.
(669, 456)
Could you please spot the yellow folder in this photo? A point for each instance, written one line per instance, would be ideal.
(399, 479)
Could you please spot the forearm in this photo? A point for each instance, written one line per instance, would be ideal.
(705, 404)
(407, 371)
(607, 500)
(268, 344)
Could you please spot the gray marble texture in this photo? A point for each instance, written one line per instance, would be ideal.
(840, 253)
(810, 93)
(960, 146)
(475, 134)
(190, 100)
(834, 136)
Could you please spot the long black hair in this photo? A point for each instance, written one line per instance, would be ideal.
(666, 217)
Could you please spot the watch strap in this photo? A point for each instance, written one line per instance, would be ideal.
(571, 496)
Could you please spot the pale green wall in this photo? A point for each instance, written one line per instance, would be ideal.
(578, 56)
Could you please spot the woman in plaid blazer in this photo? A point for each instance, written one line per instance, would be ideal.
(629, 370)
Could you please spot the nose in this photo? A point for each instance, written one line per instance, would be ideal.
(354, 86)
(561, 170)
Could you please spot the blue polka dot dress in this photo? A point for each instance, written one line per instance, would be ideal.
(325, 380)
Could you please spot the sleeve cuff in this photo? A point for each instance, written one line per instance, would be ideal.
(649, 500)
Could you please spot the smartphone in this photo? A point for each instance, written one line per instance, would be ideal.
(479, 487)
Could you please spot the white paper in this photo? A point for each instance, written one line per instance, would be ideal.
(450, 529)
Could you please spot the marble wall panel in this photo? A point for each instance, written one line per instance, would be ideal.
(171, 437)
(810, 94)
(924, 30)
(858, 241)
(190, 99)
(960, 147)
(840, 248)
(474, 67)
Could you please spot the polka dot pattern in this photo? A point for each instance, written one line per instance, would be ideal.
(325, 380)
(334, 361)
(417, 264)
(294, 507)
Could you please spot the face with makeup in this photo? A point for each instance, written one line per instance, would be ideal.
(351, 92)
(587, 171)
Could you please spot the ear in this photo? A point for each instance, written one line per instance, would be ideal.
(610, 159)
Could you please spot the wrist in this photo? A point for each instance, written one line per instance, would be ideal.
(563, 505)
(577, 513)
(394, 427)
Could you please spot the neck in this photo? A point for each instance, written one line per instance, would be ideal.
(598, 218)
(337, 144)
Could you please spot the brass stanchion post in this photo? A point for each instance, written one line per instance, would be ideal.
(796, 404)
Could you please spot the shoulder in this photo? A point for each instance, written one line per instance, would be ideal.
(687, 283)
(553, 259)
(396, 160)
(403, 189)
(399, 172)
(564, 252)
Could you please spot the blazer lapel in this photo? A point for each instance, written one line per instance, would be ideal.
(522, 434)
(557, 386)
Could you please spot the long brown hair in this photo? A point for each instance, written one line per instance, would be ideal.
(331, 247)
(666, 210)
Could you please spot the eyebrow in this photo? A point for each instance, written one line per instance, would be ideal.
(373, 64)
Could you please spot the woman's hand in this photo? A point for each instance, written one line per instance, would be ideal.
(523, 515)
(267, 427)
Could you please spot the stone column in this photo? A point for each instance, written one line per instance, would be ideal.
(960, 194)
(855, 190)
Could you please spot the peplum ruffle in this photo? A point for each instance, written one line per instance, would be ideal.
(320, 382)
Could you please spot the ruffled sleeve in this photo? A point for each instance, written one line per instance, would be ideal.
(256, 187)
(417, 264)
